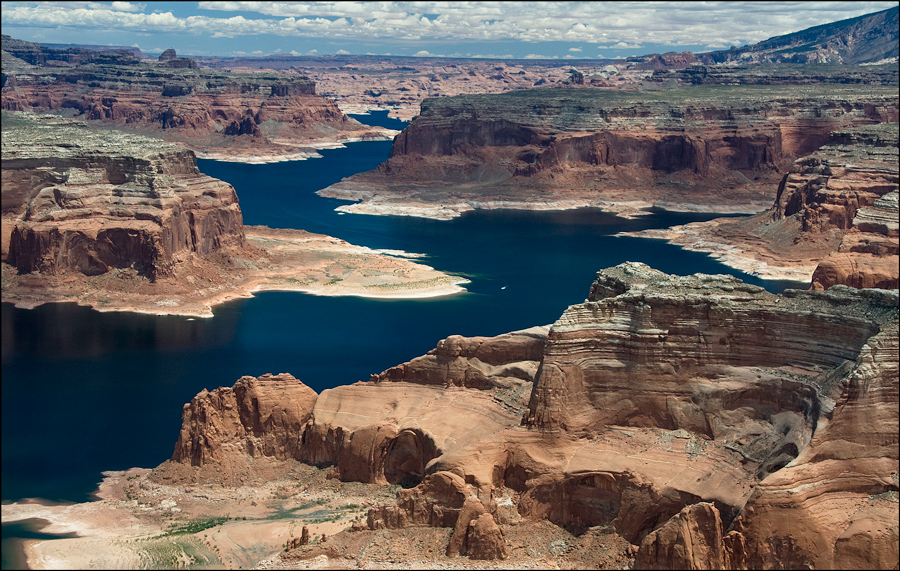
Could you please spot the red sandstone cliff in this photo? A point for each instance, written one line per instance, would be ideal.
(85, 201)
(218, 114)
(714, 148)
(833, 221)
(674, 412)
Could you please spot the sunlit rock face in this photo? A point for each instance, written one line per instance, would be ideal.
(77, 199)
(711, 148)
(833, 220)
(697, 417)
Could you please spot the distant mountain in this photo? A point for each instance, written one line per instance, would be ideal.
(865, 39)
(62, 55)
(136, 52)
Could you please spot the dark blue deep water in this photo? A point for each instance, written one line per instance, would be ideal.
(84, 392)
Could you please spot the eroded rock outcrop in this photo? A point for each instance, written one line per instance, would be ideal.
(706, 422)
(122, 222)
(85, 201)
(262, 416)
(715, 148)
(833, 220)
(216, 114)
(868, 254)
(384, 431)
(409, 420)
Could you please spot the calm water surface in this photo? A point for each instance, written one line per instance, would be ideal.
(84, 392)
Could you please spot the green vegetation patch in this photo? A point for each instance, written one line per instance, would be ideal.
(195, 525)
(169, 553)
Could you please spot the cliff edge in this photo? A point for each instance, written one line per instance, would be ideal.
(227, 116)
(683, 419)
(122, 222)
(717, 148)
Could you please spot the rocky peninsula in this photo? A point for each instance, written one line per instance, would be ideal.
(666, 422)
(715, 148)
(127, 223)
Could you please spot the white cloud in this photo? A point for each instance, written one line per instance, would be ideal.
(622, 46)
(342, 53)
(126, 7)
(618, 25)
(422, 53)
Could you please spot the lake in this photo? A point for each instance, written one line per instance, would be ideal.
(85, 392)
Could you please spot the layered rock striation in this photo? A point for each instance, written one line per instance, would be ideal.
(713, 148)
(692, 417)
(216, 114)
(122, 222)
(833, 220)
(86, 201)
(865, 39)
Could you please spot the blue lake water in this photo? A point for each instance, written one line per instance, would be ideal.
(84, 391)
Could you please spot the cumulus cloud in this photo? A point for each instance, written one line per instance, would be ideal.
(622, 46)
(342, 53)
(126, 7)
(422, 53)
(617, 25)
(575, 49)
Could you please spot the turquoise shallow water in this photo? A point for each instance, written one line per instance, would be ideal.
(84, 392)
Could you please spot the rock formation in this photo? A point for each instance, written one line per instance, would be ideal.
(214, 113)
(86, 201)
(713, 148)
(864, 39)
(123, 222)
(34, 54)
(833, 221)
(860, 50)
(261, 417)
(697, 418)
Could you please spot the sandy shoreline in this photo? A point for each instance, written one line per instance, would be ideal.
(309, 151)
(692, 238)
(137, 522)
(276, 260)
(449, 211)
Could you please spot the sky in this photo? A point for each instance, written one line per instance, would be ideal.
(507, 30)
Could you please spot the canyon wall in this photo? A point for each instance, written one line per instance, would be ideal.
(833, 221)
(213, 113)
(675, 412)
(710, 148)
(85, 201)
(868, 254)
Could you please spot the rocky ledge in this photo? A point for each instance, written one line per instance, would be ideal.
(714, 148)
(833, 221)
(679, 422)
(77, 199)
(227, 116)
(124, 222)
